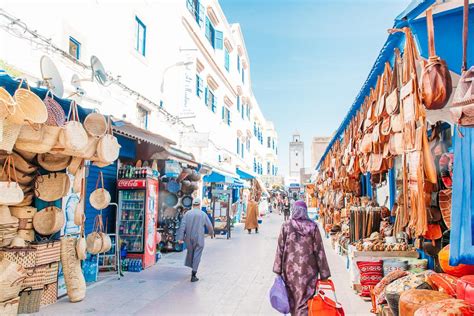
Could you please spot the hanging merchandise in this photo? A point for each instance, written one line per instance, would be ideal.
(48, 221)
(462, 109)
(108, 148)
(8, 226)
(29, 107)
(75, 282)
(73, 136)
(95, 240)
(100, 198)
(7, 108)
(52, 186)
(54, 162)
(81, 243)
(10, 191)
(436, 85)
(95, 124)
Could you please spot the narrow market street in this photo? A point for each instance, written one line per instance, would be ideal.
(235, 277)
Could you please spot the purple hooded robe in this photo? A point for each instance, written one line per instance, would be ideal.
(300, 258)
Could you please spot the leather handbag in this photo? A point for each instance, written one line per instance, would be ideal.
(322, 304)
(366, 144)
(462, 110)
(444, 199)
(396, 144)
(436, 83)
(428, 160)
(392, 101)
(396, 123)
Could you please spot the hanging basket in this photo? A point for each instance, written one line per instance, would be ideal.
(56, 115)
(10, 132)
(48, 137)
(52, 187)
(95, 124)
(53, 162)
(30, 301)
(100, 197)
(73, 135)
(49, 220)
(29, 107)
(10, 192)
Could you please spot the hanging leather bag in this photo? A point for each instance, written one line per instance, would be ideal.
(436, 83)
(462, 110)
(392, 102)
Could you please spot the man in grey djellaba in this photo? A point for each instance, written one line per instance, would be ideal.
(191, 231)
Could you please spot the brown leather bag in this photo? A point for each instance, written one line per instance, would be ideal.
(392, 102)
(445, 205)
(436, 83)
(396, 123)
(411, 300)
(396, 144)
(428, 160)
(462, 110)
(366, 143)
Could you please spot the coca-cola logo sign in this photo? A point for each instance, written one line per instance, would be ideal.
(131, 183)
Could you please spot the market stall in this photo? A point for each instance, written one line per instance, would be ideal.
(392, 182)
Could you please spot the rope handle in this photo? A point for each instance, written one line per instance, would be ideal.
(23, 80)
(101, 178)
(72, 114)
(9, 166)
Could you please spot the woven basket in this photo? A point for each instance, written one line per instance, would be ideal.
(75, 165)
(106, 243)
(21, 178)
(40, 275)
(52, 187)
(27, 200)
(49, 138)
(27, 155)
(73, 135)
(94, 243)
(54, 162)
(100, 198)
(25, 223)
(11, 271)
(25, 257)
(20, 163)
(56, 115)
(23, 211)
(30, 301)
(9, 289)
(10, 307)
(10, 132)
(50, 294)
(7, 104)
(81, 248)
(29, 107)
(95, 124)
(75, 282)
(47, 252)
(108, 148)
(49, 220)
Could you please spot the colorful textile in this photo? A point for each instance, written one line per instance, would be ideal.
(390, 265)
(444, 283)
(451, 307)
(462, 212)
(379, 289)
(370, 274)
(300, 260)
(411, 281)
(417, 265)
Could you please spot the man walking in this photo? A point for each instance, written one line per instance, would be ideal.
(191, 231)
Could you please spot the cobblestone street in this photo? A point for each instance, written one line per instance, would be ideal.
(235, 277)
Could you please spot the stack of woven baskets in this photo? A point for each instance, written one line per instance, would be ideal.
(40, 262)
(24, 214)
(11, 279)
(8, 226)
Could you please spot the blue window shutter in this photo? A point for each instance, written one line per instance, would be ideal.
(238, 63)
(214, 103)
(228, 117)
(201, 15)
(223, 113)
(243, 75)
(242, 150)
(205, 96)
(208, 30)
(218, 40)
(238, 103)
(238, 145)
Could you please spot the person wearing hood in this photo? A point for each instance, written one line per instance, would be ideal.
(300, 258)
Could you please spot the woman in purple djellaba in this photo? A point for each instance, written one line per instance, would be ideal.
(300, 258)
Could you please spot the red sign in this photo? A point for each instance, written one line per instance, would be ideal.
(131, 183)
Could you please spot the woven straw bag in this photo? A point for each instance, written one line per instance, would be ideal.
(56, 115)
(27, 234)
(9, 290)
(79, 216)
(7, 104)
(73, 136)
(54, 162)
(50, 294)
(108, 148)
(10, 307)
(106, 240)
(52, 187)
(10, 131)
(95, 124)
(27, 200)
(49, 220)
(100, 197)
(10, 192)
(23, 212)
(75, 282)
(27, 155)
(29, 107)
(78, 179)
(30, 300)
(11, 271)
(75, 165)
(49, 136)
(47, 251)
(25, 257)
(40, 275)
(94, 240)
(20, 163)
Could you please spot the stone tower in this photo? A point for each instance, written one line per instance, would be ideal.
(296, 157)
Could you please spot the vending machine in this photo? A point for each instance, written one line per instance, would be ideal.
(138, 212)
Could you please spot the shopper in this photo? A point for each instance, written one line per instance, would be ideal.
(286, 209)
(191, 231)
(300, 258)
(251, 221)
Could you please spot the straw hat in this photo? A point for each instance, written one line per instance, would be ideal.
(28, 156)
(18, 242)
(6, 217)
(54, 162)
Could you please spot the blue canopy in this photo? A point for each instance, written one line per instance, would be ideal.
(448, 40)
(216, 177)
(244, 175)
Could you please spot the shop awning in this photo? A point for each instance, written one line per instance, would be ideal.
(129, 130)
(244, 175)
(221, 176)
(176, 154)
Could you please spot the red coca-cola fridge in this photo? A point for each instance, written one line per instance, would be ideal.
(138, 213)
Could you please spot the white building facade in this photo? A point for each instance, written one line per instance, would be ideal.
(178, 69)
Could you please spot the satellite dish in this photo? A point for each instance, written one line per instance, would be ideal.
(51, 77)
(76, 83)
(98, 71)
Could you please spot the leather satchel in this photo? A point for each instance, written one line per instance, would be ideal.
(436, 83)
(396, 144)
(392, 102)
(428, 160)
(462, 110)
(445, 206)
(396, 123)
(366, 144)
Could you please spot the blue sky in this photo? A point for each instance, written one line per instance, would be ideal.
(309, 59)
